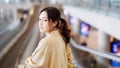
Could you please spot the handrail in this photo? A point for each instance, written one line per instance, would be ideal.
(103, 54)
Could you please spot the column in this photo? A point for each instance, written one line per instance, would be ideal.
(14, 14)
(103, 45)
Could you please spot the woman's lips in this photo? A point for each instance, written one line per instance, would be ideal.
(41, 27)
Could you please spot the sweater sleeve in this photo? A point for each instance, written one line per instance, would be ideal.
(39, 57)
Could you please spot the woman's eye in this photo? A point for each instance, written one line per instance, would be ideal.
(45, 20)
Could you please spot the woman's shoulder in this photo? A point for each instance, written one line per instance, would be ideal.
(50, 40)
(47, 40)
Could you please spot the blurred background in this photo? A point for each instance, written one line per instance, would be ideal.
(95, 26)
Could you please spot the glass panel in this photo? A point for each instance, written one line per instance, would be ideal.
(114, 5)
(14, 1)
(6, 15)
(103, 4)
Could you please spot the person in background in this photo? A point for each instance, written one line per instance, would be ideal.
(52, 51)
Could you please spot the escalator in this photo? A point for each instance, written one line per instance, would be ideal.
(12, 57)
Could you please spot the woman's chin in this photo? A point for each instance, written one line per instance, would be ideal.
(41, 31)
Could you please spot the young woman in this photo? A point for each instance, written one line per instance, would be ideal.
(52, 51)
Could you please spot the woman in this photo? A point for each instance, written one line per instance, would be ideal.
(53, 50)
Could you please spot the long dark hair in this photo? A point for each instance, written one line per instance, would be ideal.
(55, 15)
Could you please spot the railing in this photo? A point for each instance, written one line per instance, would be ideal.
(92, 51)
(107, 7)
(14, 1)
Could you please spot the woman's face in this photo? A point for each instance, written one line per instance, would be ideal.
(45, 25)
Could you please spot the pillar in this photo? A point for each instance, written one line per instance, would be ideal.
(103, 46)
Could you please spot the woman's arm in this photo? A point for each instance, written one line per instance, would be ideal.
(39, 56)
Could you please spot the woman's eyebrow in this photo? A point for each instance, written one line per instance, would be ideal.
(42, 17)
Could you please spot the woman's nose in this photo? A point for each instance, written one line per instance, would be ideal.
(40, 22)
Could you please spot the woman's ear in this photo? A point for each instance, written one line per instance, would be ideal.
(55, 23)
